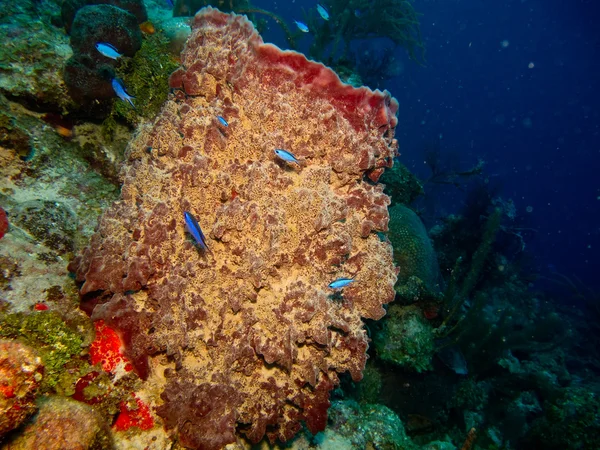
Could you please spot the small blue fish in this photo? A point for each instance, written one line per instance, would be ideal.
(323, 11)
(223, 121)
(358, 13)
(119, 89)
(170, 3)
(286, 156)
(301, 26)
(108, 50)
(340, 283)
(194, 229)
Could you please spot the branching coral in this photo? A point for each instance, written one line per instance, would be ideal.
(251, 338)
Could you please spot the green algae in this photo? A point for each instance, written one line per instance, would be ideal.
(145, 76)
(49, 335)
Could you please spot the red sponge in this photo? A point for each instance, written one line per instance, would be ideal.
(3, 223)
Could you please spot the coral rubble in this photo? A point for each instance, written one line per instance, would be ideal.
(247, 335)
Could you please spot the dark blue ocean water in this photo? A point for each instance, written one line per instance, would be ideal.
(515, 83)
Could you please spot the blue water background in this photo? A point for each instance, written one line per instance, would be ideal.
(515, 83)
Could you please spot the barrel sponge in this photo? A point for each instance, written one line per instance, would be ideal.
(247, 337)
(413, 250)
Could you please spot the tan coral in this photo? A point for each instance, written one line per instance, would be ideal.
(256, 336)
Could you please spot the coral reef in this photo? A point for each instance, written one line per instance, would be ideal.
(62, 423)
(56, 347)
(21, 372)
(50, 222)
(32, 56)
(253, 338)
(14, 137)
(406, 339)
(364, 426)
(570, 421)
(52, 199)
(103, 146)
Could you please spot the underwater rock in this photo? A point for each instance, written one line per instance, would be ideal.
(13, 136)
(248, 334)
(104, 153)
(52, 223)
(406, 339)
(70, 8)
(9, 267)
(31, 62)
(21, 372)
(62, 423)
(364, 426)
(56, 171)
(105, 23)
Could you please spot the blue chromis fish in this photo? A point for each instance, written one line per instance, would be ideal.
(286, 156)
(170, 3)
(323, 11)
(108, 50)
(194, 229)
(223, 121)
(301, 26)
(119, 89)
(340, 283)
